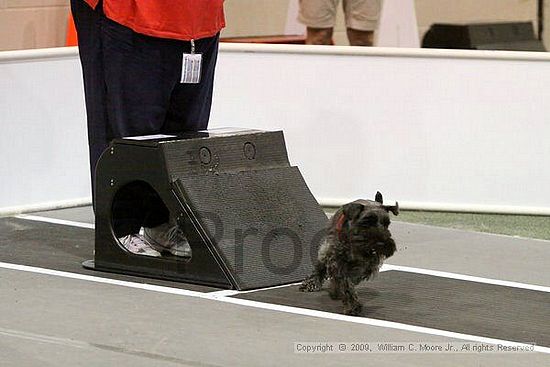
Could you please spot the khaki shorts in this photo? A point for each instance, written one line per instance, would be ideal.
(360, 14)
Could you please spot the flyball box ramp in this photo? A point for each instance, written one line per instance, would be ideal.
(248, 214)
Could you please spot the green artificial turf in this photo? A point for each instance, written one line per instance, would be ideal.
(512, 225)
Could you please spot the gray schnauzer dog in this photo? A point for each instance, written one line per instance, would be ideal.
(357, 242)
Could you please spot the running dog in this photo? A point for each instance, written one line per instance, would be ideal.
(357, 242)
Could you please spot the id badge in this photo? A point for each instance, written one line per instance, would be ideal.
(191, 68)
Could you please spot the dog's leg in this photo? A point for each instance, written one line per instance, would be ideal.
(334, 290)
(352, 306)
(314, 282)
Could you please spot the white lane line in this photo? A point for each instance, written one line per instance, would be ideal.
(71, 223)
(468, 278)
(272, 307)
(226, 293)
(376, 322)
(91, 278)
(270, 288)
(230, 292)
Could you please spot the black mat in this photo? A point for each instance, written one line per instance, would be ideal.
(454, 305)
(61, 247)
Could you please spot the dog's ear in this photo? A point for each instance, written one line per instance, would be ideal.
(378, 198)
(392, 208)
(352, 210)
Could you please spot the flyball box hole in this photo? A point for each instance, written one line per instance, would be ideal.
(132, 205)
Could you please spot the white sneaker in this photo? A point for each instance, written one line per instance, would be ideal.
(136, 244)
(168, 238)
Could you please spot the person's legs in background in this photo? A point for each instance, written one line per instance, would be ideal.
(319, 36)
(361, 21)
(360, 38)
(319, 17)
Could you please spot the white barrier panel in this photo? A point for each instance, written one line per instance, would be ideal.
(430, 128)
(433, 129)
(43, 144)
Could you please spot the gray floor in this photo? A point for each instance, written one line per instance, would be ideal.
(83, 214)
(54, 320)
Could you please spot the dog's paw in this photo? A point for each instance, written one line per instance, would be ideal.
(353, 309)
(310, 285)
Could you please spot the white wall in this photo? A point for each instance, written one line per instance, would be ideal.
(426, 127)
(43, 145)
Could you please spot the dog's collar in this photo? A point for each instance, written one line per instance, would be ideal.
(339, 225)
